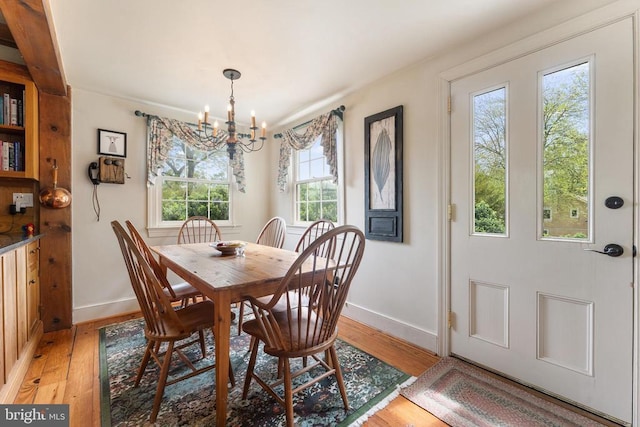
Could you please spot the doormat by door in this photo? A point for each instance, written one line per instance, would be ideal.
(462, 395)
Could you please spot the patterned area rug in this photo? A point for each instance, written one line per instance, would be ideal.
(370, 384)
(462, 395)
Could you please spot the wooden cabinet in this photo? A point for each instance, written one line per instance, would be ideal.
(10, 306)
(21, 326)
(33, 287)
(18, 127)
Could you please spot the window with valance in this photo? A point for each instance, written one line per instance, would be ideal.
(160, 134)
(188, 177)
(324, 126)
(313, 148)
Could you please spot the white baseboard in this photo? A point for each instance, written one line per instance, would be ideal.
(99, 311)
(421, 338)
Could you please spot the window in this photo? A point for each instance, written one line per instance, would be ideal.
(192, 182)
(316, 195)
(490, 161)
(566, 150)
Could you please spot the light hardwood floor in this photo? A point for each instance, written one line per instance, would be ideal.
(65, 369)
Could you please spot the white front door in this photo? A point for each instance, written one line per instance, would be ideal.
(541, 175)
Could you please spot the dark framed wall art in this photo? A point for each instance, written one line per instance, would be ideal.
(383, 175)
(112, 143)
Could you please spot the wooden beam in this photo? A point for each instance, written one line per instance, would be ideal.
(31, 25)
(6, 39)
(55, 224)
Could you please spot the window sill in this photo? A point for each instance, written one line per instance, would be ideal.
(226, 230)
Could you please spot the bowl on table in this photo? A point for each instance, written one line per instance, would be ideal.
(227, 247)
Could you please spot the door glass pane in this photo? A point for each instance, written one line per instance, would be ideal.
(565, 138)
(490, 161)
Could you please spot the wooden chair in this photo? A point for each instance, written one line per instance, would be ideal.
(273, 233)
(199, 229)
(163, 324)
(182, 291)
(309, 325)
(314, 231)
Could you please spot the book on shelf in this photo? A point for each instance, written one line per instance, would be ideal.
(20, 113)
(11, 156)
(17, 154)
(5, 156)
(14, 112)
(6, 108)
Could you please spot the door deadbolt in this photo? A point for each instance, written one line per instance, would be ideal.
(614, 202)
(612, 249)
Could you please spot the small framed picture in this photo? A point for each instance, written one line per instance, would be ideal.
(112, 143)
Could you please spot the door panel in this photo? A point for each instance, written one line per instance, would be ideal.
(531, 300)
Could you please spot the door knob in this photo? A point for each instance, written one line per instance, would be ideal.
(612, 249)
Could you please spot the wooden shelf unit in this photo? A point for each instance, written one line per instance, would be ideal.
(16, 81)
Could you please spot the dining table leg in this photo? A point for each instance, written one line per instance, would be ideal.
(222, 332)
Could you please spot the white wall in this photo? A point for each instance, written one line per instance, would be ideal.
(396, 289)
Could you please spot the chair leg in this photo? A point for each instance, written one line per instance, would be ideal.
(144, 363)
(252, 363)
(162, 381)
(203, 346)
(288, 392)
(336, 365)
(232, 377)
(240, 316)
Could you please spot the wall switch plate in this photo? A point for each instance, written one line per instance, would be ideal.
(25, 200)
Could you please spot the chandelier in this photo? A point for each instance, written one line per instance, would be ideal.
(243, 141)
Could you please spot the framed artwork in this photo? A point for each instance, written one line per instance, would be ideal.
(112, 143)
(383, 175)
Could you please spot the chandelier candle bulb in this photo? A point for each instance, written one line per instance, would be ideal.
(215, 128)
(229, 113)
(200, 121)
(206, 114)
(253, 119)
(263, 131)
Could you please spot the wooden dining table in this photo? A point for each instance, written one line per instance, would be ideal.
(225, 280)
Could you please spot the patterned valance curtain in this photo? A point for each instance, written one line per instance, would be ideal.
(325, 125)
(161, 130)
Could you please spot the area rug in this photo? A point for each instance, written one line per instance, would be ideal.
(370, 384)
(462, 395)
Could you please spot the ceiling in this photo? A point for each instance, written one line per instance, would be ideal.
(295, 56)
